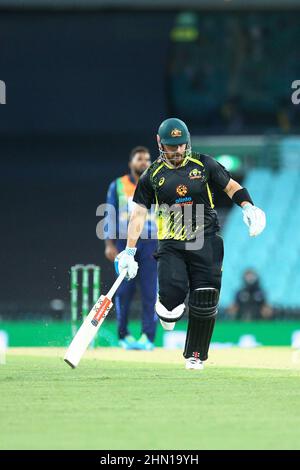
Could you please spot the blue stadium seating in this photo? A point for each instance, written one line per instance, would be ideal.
(275, 253)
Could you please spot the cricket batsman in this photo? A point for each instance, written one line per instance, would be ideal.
(179, 178)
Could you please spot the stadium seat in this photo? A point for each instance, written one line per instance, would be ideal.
(265, 254)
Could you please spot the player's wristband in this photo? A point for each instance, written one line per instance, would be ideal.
(242, 195)
(130, 251)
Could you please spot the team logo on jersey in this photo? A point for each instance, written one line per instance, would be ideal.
(181, 190)
(195, 174)
(176, 132)
(161, 181)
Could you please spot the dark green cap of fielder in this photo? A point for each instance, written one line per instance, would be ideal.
(173, 131)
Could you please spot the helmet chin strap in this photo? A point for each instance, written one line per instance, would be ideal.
(163, 155)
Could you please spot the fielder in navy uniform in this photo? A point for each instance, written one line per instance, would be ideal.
(180, 178)
(120, 194)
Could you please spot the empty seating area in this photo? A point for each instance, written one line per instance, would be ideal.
(275, 254)
(237, 92)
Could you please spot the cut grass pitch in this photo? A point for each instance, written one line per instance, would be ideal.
(244, 399)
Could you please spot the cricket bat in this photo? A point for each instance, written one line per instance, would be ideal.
(91, 325)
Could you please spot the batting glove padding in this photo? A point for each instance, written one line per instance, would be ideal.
(254, 218)
(125, 260)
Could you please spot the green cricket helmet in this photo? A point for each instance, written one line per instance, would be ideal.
(173, 131)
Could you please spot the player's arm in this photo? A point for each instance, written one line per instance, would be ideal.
(142, 198)
(231, 188)
(254, 217)
(136, 224)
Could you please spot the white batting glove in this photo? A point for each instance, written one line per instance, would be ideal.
(125, 260)
(254, 218)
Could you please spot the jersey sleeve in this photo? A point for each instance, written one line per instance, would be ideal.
(217, 172)
(144, 192)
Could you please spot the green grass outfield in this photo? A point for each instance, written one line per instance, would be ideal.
(244, 399)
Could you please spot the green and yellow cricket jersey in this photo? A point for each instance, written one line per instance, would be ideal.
(171, 189)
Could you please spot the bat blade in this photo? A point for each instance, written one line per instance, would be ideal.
(87, 331)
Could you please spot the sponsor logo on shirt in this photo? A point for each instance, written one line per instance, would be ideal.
(184, 201)
(161, 181)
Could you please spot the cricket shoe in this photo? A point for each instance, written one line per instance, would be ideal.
(144, 344)
(168, 326)
(128, 342)
(194, 363)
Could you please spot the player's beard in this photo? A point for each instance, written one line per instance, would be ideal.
(175, 159)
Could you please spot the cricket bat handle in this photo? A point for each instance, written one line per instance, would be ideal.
(116, 284)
